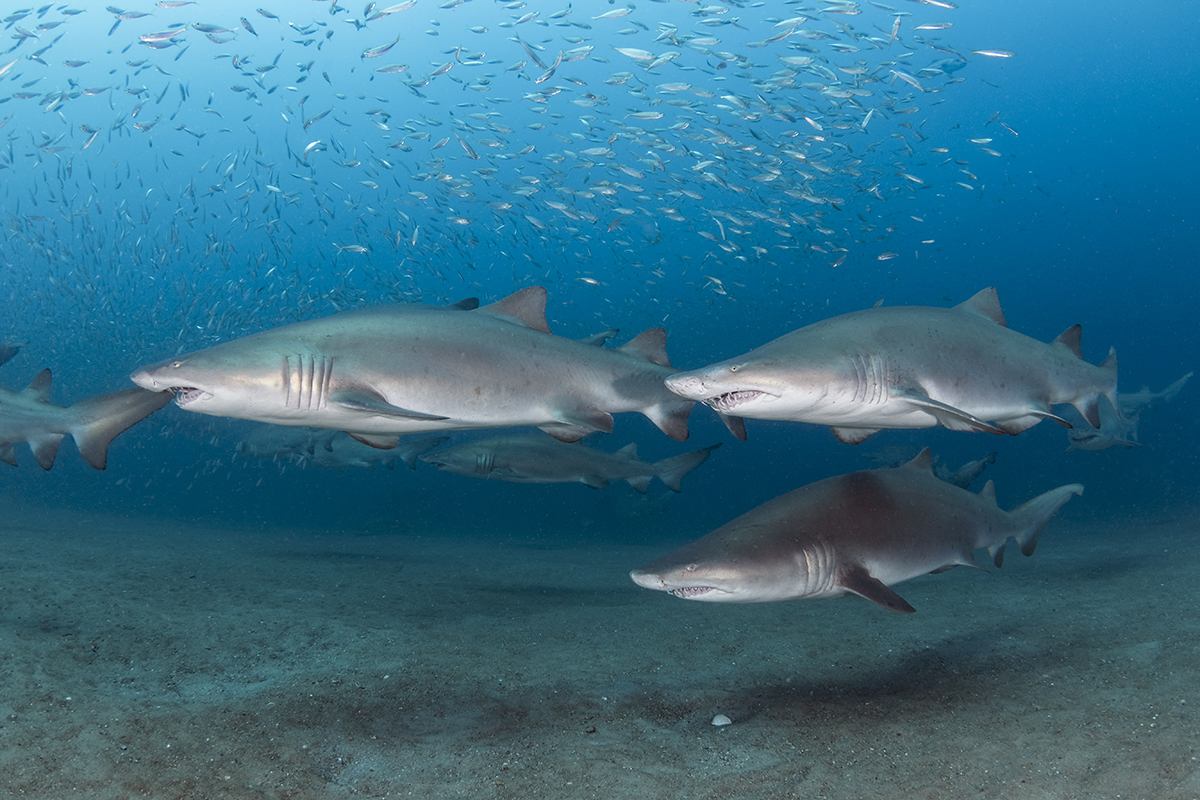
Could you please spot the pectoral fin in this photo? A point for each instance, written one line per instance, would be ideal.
(953, 418)
(372, 402)
(856, 579)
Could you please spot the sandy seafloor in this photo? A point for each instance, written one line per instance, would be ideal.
(144, 658)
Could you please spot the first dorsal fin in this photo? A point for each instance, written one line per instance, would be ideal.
(988, 493)
(39, 387)
(1072, 339)
(986, 303)
(629, 450)
(527, 307)
(651, 345)
(923, 461)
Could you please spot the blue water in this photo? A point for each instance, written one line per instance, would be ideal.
(140, 245)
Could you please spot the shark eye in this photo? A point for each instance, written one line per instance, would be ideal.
(735, 367)
(176, 364)
(690, 568)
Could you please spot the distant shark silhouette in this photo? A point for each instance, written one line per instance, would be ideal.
(1121, 430)
(538, 459)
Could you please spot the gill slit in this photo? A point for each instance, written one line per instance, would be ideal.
(870, 373)
(309, 382)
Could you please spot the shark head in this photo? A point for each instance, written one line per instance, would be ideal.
(715, 569)
(469, 459)
(227, 379)
(760, 387)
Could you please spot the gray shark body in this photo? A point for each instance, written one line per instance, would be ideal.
(28, 416)
(325, 448)
(276, 442)
(538, 459)
(858, 533)
(908, 367)
(380, 372)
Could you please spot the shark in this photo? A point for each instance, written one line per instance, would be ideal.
(859, 533)
(539, 459)
(908, 367)
(1119, 426)
(344, 451)
(28, 416)
(325, 448)
(383, 371)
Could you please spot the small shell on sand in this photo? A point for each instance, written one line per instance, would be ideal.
(720, 720)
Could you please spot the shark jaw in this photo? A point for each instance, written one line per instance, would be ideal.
(726, 403)
(692, 592)
(188, 394)
(658, 582)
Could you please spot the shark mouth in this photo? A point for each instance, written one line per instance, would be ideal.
(688, 592)
(727, 402)
(186, 394)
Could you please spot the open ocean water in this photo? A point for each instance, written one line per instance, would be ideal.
(195, 621)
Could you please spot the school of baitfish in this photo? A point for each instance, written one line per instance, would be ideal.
(294, 172)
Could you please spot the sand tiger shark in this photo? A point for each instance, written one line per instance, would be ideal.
(28, 416)
(383, 371)
(908, 367)
(1121, 430)
(859, 533)
(539, 459)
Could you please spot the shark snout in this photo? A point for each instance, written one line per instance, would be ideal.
(648, 580)
(689, 385)
(145, 380)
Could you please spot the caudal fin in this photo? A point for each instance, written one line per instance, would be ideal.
(95, 422)
(1029, 519)
(671, 470)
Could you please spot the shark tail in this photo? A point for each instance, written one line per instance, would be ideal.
(1031, 517)
(1168, 394)
(671, 418)
(671, 470)
(95, 422)
(670, 415)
